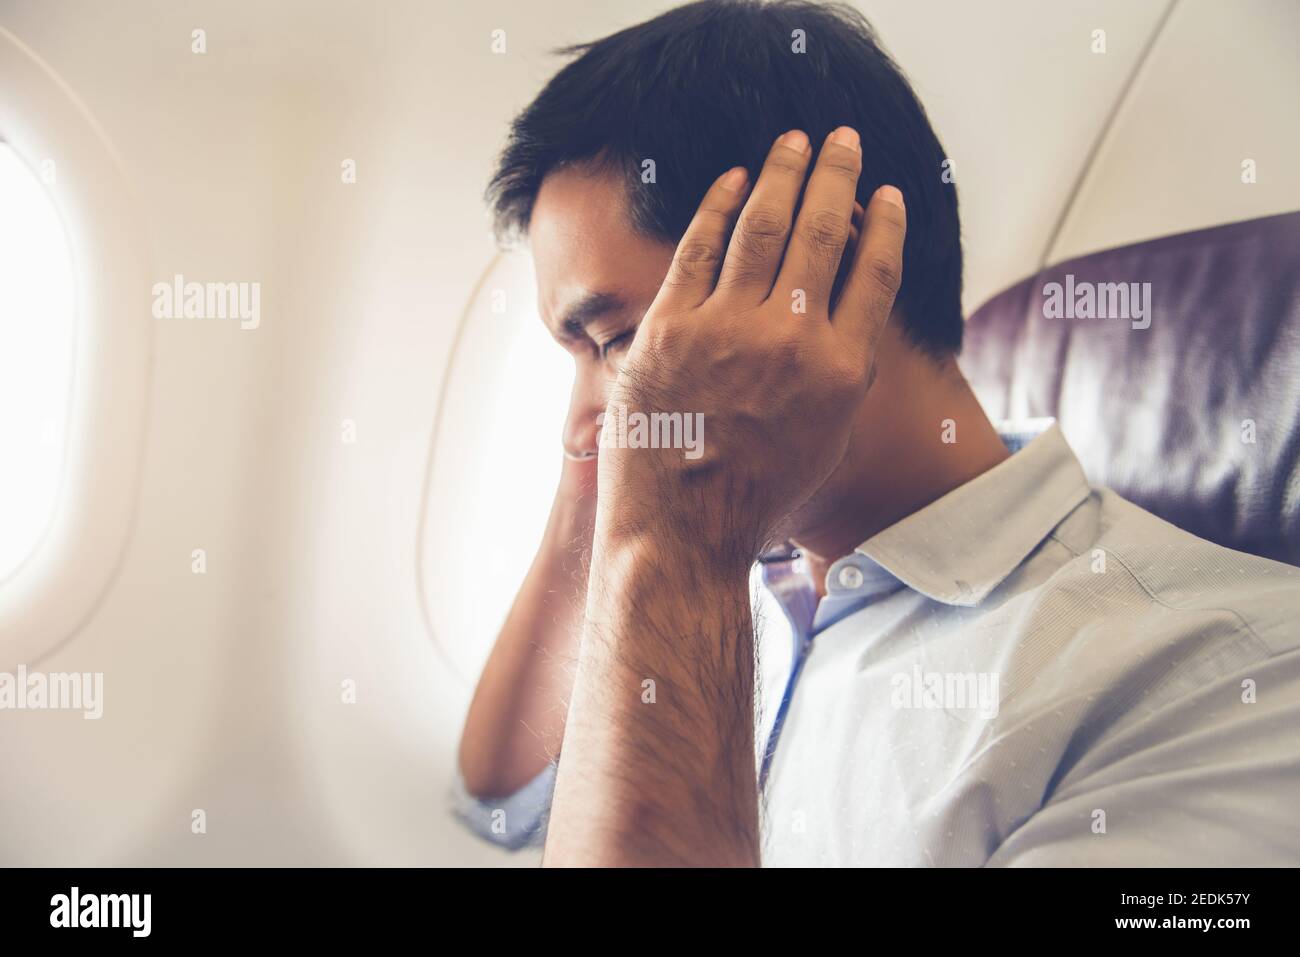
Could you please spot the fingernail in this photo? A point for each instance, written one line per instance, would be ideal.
(890, 194)
(734, 179)
(847, 136)
(796, 140)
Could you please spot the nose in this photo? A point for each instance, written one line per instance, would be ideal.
(581, 433)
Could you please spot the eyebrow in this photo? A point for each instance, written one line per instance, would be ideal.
(587, 310)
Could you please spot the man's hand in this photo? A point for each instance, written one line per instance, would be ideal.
(659, 764)
(742, 331)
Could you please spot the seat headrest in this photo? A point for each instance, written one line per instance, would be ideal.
(1173, 368)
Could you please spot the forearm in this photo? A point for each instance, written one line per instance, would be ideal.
(659, 763)
(516, 720)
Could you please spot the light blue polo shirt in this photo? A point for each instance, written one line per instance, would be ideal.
(1026, 671)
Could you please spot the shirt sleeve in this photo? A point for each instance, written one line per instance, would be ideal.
(515, 821)
(1208, 780)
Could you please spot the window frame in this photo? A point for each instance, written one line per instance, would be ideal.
(51, 596)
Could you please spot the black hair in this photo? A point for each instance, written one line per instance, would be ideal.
(710, 85)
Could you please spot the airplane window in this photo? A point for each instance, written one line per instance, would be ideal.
(495, 463)
(36, 329)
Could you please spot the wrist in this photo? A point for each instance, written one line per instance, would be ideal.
(668, 558)
(699, 516)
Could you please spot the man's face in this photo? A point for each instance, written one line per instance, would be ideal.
(596, 278)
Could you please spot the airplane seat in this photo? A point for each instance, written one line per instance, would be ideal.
(1194, 417)
(1186, 398)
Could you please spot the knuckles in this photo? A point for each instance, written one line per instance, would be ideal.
(878, 275)
(824, 233)
(826, 227)
(844, 163)
(884, 270)
(716, 356)
(695, 258)
(766, 223)
(846, 374)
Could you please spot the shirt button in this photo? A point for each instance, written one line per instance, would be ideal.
(850, 577)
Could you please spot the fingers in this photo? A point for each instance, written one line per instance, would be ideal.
(824, 223)
(846, 261)
(694, 270)
(876, 274)
(759, 242)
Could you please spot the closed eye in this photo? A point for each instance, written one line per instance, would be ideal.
(618, 342)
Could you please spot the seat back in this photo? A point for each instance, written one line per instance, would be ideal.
(1192, 410)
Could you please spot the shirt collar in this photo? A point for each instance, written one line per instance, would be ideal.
(959, 548)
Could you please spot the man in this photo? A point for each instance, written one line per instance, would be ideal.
(738, 211)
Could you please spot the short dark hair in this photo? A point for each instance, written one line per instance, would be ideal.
(710, 85)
